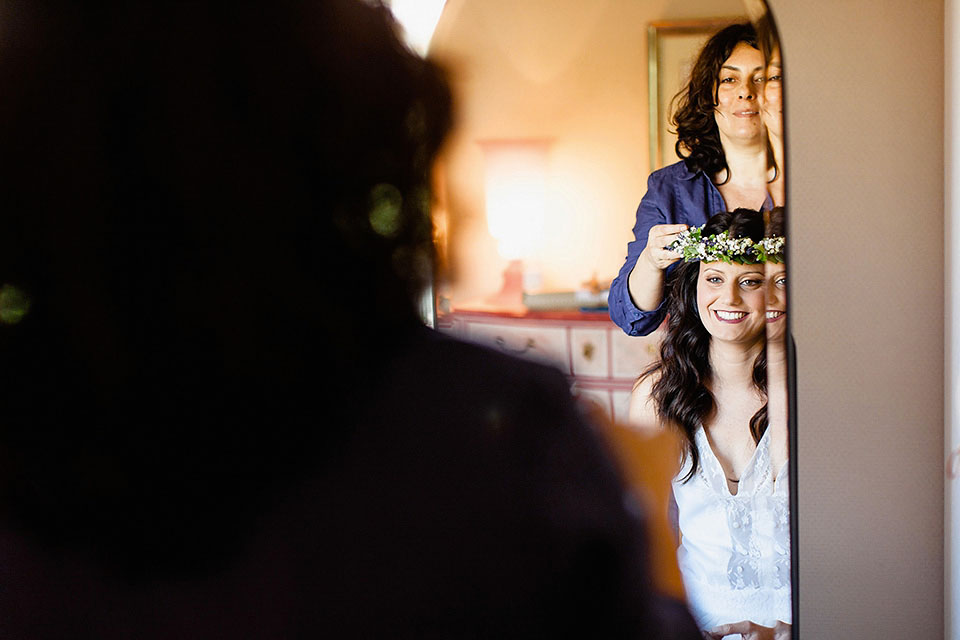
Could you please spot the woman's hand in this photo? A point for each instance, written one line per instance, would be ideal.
(660, 236)
(646, 280)
(750, 631)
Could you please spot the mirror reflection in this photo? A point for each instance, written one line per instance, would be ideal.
(693, 345)
(724, 165)
(710, 384)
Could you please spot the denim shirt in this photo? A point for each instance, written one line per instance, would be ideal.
(675, 195)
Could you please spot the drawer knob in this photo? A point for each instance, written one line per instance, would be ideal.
(588, 351)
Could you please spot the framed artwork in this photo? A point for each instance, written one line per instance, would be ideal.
(672, 48)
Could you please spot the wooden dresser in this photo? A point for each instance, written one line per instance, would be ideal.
(601, 361)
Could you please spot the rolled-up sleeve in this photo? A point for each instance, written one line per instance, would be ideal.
(623, 312)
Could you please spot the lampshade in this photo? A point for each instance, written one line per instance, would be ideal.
(515, 187)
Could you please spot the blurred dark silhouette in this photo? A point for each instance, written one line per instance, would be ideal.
(221, 415)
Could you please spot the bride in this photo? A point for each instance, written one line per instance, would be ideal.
(711, 384)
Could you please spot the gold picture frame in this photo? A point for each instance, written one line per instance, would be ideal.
(672, 48)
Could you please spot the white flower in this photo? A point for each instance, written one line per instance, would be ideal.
(721, 246)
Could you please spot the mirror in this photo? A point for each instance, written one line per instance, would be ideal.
(573, 95)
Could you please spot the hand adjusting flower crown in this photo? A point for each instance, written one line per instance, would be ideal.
(720, 247)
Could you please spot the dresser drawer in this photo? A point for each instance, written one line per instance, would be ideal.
(543, 344)
(633, 354)
(601, 362)
(590, 352)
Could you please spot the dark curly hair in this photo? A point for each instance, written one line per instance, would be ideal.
(768, 37)
(680, 394)
(776, 222)
(211, 208)
(698, 139)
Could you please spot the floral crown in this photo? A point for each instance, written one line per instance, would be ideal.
(720, 247)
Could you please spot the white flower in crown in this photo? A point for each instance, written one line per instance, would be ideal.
(721, 247)
(773, 248)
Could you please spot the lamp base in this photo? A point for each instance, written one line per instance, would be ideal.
(510, 295)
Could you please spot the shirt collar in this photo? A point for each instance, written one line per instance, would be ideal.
(690, 175)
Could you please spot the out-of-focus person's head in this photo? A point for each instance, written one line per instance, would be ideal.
(208, 207)
(228, 159)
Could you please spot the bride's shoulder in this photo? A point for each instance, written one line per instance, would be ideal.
(642, 413)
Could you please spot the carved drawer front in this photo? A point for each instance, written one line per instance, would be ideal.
(632, 354)
(543, 344)
(590, 352)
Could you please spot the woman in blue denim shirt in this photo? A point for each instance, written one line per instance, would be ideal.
(725, 165)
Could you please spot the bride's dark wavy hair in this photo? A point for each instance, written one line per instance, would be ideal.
(698, 139)
(680, 395)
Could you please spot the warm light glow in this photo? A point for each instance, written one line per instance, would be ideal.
(419, 19)
(516, 195)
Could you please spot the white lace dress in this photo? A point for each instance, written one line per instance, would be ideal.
(735, 549)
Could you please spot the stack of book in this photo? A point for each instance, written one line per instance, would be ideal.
(583, 300)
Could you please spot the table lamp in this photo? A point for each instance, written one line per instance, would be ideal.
(515, 188)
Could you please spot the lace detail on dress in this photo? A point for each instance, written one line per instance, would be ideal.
(758, 477)
(781, 541)
(781, 527)
(744, 569)
(735, 549)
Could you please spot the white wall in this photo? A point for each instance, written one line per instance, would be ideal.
(865, 114)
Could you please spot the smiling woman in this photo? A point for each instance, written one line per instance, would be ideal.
(724, 165)
(731, 301)
(710, 384)
(738, 111)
